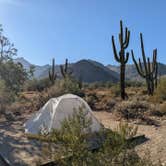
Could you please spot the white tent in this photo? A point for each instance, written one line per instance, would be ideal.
(55, 111)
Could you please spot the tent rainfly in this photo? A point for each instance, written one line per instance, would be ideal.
(55, 111)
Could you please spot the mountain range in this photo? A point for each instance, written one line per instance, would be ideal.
(89, 71)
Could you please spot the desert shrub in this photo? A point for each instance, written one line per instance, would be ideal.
(94, 85)
(6, 96)
(160, 93)
(115, 89)
(130, 83)
(37, 85)
(60, 87)
(70, 85)
(73, 144)
(136, 110)
(132, 109)
(91, 99)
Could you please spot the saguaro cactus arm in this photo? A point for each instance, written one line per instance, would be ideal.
(127, 58)
(127, 37)
(65, 69)
(114, 50)
(138, 67)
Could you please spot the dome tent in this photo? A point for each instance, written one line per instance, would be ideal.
(55, 111)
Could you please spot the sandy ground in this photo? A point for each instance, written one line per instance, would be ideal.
(19, 151)
(14, 145)
(154, 148)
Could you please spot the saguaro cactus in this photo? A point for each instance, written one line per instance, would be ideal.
(150, 70)
(52, 74)
(65, 71)
(123, 57)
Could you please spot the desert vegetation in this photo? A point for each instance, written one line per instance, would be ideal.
(131, 103)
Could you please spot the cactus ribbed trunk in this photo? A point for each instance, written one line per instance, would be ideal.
(150, 70)
(65, 70)
(123, 57)
(122, 81)
(52, 74)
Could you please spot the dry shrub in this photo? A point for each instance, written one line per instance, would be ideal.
(136, 110)
(61, 87)
(92, 99)
(160, 93)
(6, 96)
(115, 89)
(132, 109)
(37, 85)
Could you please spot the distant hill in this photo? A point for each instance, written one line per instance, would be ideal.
(87, 70)
(90, 71)
(39, 70)
(132, 74)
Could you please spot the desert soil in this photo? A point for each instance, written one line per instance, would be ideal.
(154, 148)
(20, 151)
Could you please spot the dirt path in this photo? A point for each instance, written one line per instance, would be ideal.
(155, 147)
(15, 147)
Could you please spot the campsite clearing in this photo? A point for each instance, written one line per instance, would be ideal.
(19, 150)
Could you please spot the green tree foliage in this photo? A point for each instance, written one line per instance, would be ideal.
(7, 49)
(31, 71)
(13, 74)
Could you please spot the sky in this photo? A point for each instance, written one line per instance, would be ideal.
(82, 29)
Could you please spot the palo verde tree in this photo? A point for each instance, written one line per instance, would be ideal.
(13, 74)
(7, 49)
(123, 57)
(65, 70)
(150, 70)
(52, 74)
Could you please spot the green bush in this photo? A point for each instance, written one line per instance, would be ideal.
(37, 85)
(74, 144)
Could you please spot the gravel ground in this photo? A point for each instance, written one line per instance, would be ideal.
(155, 147)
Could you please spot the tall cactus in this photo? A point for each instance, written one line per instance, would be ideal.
(52, 74)
(65, 71)
(150, 70)
(123, 57)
